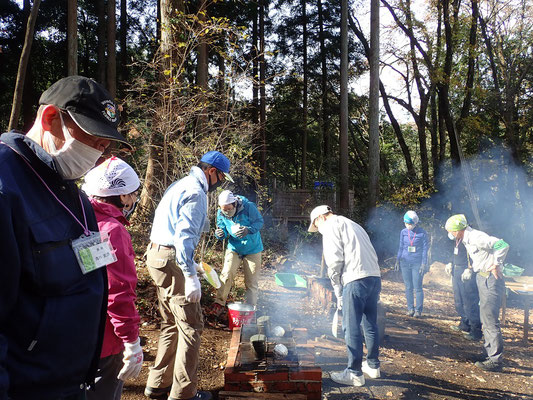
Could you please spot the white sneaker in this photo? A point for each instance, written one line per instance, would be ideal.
(373, 373)
(348, 377)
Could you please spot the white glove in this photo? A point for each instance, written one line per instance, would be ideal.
(397, 265)
(219, 232)
(338, 293)
(193, 289)
(242, 232)
(448, 269)
(466, 275)
(198, 268)
(133, 361)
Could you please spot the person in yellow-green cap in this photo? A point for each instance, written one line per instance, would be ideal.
(488, 254)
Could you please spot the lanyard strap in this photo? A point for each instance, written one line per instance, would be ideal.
(85, 225)
(409, 236)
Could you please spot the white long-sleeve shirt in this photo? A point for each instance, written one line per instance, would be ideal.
(348, 252)
(484, 250)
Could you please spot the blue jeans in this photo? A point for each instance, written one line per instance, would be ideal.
(360, 299)
(413, 282)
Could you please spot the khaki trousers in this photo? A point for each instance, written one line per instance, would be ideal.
(251, 265)
(176, 362)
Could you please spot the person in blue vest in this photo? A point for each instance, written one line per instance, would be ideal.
(412, 260)
(239, 220)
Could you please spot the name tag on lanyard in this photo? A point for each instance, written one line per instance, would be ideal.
(93, 251)
(411, 249)
(456, 251)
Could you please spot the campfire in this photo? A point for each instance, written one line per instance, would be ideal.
(267, 360)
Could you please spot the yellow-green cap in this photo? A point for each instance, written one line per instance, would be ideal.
(456, 223)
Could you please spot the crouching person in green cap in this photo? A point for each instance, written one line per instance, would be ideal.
(488, 254)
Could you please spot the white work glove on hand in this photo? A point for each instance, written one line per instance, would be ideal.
(219, 232)
(133, 361)
(242, 232)
(338, 293)
(466, 275)
(397, 265)
(448, 269)
(198, 268)
(193, 289)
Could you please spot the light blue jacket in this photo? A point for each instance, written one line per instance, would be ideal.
(246, 215)
(180, 217)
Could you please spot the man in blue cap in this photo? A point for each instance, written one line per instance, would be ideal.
(178, 223)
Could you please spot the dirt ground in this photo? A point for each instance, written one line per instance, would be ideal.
(421, 358)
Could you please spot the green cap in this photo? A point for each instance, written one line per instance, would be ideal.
(456, 223)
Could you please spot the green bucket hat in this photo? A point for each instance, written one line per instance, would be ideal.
(456, 223)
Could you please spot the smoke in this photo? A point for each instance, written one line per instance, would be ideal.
(501, 192)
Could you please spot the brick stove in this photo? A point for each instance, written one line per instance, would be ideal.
(294, 376)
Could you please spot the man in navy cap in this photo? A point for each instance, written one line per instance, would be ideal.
(178, 223)
(52, 300)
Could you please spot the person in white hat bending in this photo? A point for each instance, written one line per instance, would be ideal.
(354, 272)
(112, 187)
(239, 220)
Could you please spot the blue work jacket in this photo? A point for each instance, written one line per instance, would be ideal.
(419, 240)
(52, 317)
(246, 215)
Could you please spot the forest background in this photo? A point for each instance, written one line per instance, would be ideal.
(261, 81)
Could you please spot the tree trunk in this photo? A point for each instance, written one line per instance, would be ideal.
(467, 101)
(394, 122)
(28, 94)
(373, 146)
(262, 89)
(324, 131)
(433, 128)
(23, 64)
(343, 134)
(72, 37)
(101, 65)
(111, 48)
(255, 69)
(201, 68)
(304, 100)
(444, 84)
(155, 169)
(124, 41)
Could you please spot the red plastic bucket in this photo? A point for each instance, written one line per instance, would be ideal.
(240, 314)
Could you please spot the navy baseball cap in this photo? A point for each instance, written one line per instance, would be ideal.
(219, 161)
(88, 103)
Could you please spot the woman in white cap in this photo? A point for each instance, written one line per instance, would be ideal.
(239, 220)
(112, 187)
(412, 259)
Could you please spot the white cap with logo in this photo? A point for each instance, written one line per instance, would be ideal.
(317, 211)
(226, 197)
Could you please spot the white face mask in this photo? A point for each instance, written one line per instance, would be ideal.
(410, 226)
(230, 213)
(128, 210)
(73, 159)
(450, 236)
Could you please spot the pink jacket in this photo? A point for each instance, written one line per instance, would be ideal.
(122, 323)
